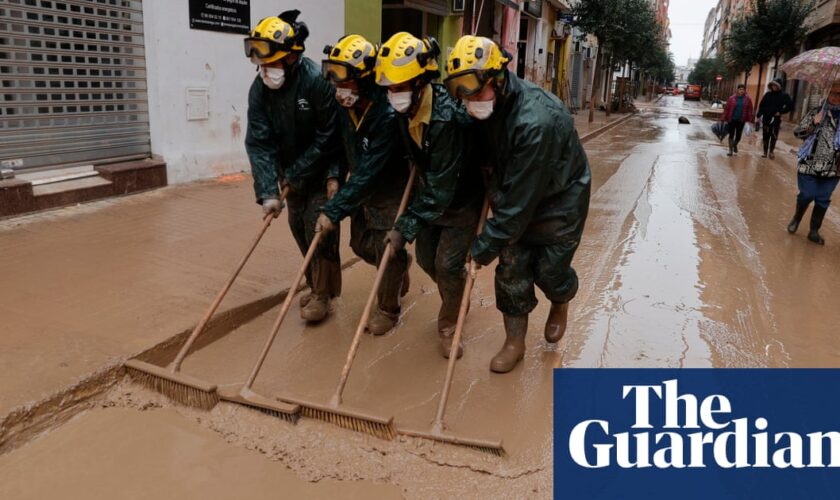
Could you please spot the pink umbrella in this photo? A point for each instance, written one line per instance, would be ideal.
(820, 67)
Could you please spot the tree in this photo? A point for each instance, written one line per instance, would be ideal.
(596, 17)
(782, 24)
(771, 27)
(624, 28)
(706, 70)
(744, 46)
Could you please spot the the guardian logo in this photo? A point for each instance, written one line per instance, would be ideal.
(696, 434)
(710, 428)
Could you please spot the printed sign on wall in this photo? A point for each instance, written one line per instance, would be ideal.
(228, 16)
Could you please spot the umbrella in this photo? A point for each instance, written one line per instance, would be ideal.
(820, 67)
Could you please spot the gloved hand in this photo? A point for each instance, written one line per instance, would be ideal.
(396, 240)
(332, 187)
(324, 224)
(272, 206)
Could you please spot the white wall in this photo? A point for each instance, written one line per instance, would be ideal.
(178, 57)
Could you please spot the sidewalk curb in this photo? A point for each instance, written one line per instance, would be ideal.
(25, 422)
(595, 133)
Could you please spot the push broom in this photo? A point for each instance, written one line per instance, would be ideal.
(438, 430)
(335, 412)
(246, 395)
(169, 380)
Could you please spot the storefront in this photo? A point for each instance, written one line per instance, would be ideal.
(73, 83)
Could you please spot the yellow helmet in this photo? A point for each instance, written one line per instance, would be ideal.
(473, 61)
(405, 57)
(276, 37)
(353, 57)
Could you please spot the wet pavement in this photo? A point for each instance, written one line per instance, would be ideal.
(685, 262)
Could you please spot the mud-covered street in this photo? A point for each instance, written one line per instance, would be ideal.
(685, 262)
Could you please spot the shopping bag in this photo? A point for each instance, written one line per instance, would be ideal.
(748, 130)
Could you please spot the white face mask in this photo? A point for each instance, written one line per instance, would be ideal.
(480, 110)
(346, 97)
(273, 78)
(400, 101)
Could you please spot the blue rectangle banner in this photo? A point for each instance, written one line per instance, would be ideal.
(696, 433)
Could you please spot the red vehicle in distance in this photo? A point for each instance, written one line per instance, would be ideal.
(692, 92)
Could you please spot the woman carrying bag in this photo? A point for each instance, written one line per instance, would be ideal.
(818, 162)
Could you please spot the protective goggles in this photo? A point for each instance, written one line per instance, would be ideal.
(466, 84)
(338, 72)
(262, 48)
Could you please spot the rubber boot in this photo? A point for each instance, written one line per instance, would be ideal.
(316, 309)
(735, 147)
(406, 284)
(382, 322)
(555, 325)
(513, 349)
(797, 217)
(817, 215)
(447, 321)
(304, 299)
(731, 145)
(323, 281)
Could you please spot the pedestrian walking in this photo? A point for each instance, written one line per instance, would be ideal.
(773, 105)
(737, 112)
(292, 141)
(819, 156)
(375, 158)
(539, 186)
(447, 199)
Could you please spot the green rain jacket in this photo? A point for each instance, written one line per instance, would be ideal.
(292, 132)
(539, 181)
(376, 159)
(448, 188)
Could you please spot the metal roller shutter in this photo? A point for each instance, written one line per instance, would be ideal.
(73, 76)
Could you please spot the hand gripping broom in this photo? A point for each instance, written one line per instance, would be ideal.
(335, 412)
(170, 381)
(438, 429)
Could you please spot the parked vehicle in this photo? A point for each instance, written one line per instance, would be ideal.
(693, 92)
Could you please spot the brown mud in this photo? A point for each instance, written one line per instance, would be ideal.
(685, 263)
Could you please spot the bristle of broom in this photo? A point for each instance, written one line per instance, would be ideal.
(180, 393)
(291, 418)
(376, 429)
(493, 451)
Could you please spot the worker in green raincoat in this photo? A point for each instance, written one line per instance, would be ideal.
(538, 183)
(447, 199)
(292, 141)
(378, 169)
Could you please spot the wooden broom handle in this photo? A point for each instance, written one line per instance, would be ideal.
(267, 220)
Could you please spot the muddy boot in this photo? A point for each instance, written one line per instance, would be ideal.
(817, 215)
(406, 284)
(316, 309)
(382, 322)
(555, 325)
(797, 217)
(304, 299)
(514, 348)
(731, 145)
(446, 330)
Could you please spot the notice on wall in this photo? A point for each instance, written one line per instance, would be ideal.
(228, 16)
